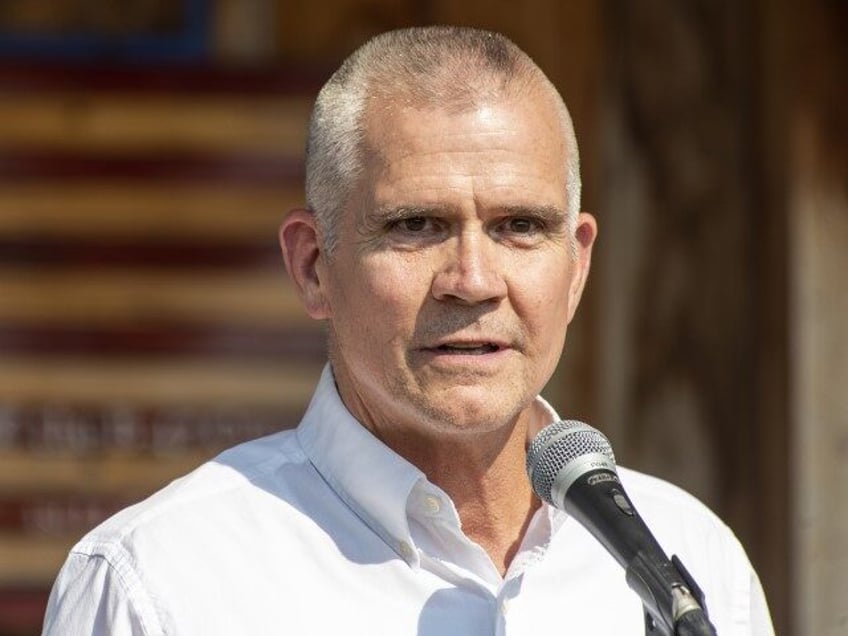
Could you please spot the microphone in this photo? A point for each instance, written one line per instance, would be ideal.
(572, 467)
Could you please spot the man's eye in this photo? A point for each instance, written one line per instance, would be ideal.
(413, 224)
(521, 225)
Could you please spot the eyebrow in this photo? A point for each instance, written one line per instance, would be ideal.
(549, 213)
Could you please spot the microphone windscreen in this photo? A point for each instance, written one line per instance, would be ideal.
(556, 446)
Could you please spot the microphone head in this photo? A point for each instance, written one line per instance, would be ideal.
(562, 446)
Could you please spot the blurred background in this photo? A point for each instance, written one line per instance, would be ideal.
(149, 149)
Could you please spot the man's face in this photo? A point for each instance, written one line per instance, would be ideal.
(452, 282)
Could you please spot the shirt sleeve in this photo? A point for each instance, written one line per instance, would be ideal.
(99, 596)
(749, 613)
(761, 624)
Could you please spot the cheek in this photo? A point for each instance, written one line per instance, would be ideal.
(544, 296)
(549, 329)
(377, 305)
(546, 321)
(399, 285)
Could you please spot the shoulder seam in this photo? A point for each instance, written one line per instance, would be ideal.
(119, 562)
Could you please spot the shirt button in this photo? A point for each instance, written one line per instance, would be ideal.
(405, 550)
(432, 504)
(504, 606)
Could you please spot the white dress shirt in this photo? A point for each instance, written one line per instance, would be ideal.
(325, 530)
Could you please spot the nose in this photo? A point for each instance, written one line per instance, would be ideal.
(471, 271)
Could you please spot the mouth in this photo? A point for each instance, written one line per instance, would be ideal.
(468, 348)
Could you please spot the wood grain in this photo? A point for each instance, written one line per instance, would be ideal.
(89, 208)
(197, 381)
(99, 297)
(115, 123)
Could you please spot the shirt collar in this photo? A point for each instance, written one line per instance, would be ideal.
(373, 480)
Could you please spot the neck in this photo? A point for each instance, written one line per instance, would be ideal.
(485, 477)
(495, 511)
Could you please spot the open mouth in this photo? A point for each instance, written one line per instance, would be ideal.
(469, 349)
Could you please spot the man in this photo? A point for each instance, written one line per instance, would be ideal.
(444, 248)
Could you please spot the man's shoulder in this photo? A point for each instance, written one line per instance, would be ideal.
(679, 520)
(223, 530)
(216, 487)
(708, 548)
(655, 491)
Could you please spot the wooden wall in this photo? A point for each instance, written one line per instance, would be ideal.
(145, 318)
(813, 129)
(693, 330)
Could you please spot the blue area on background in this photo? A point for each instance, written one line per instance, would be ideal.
(190, 43)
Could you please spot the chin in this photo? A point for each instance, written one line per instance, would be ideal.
(477, 413)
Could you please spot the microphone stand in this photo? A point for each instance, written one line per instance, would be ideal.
(676, 610)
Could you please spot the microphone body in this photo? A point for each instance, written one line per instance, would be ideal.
(572, 467)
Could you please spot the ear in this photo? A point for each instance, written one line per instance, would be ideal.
(585, 233)
(301, 251)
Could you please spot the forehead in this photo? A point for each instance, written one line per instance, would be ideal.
(403, 118)
(512, 146)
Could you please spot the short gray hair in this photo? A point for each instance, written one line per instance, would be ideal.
(454, 67)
